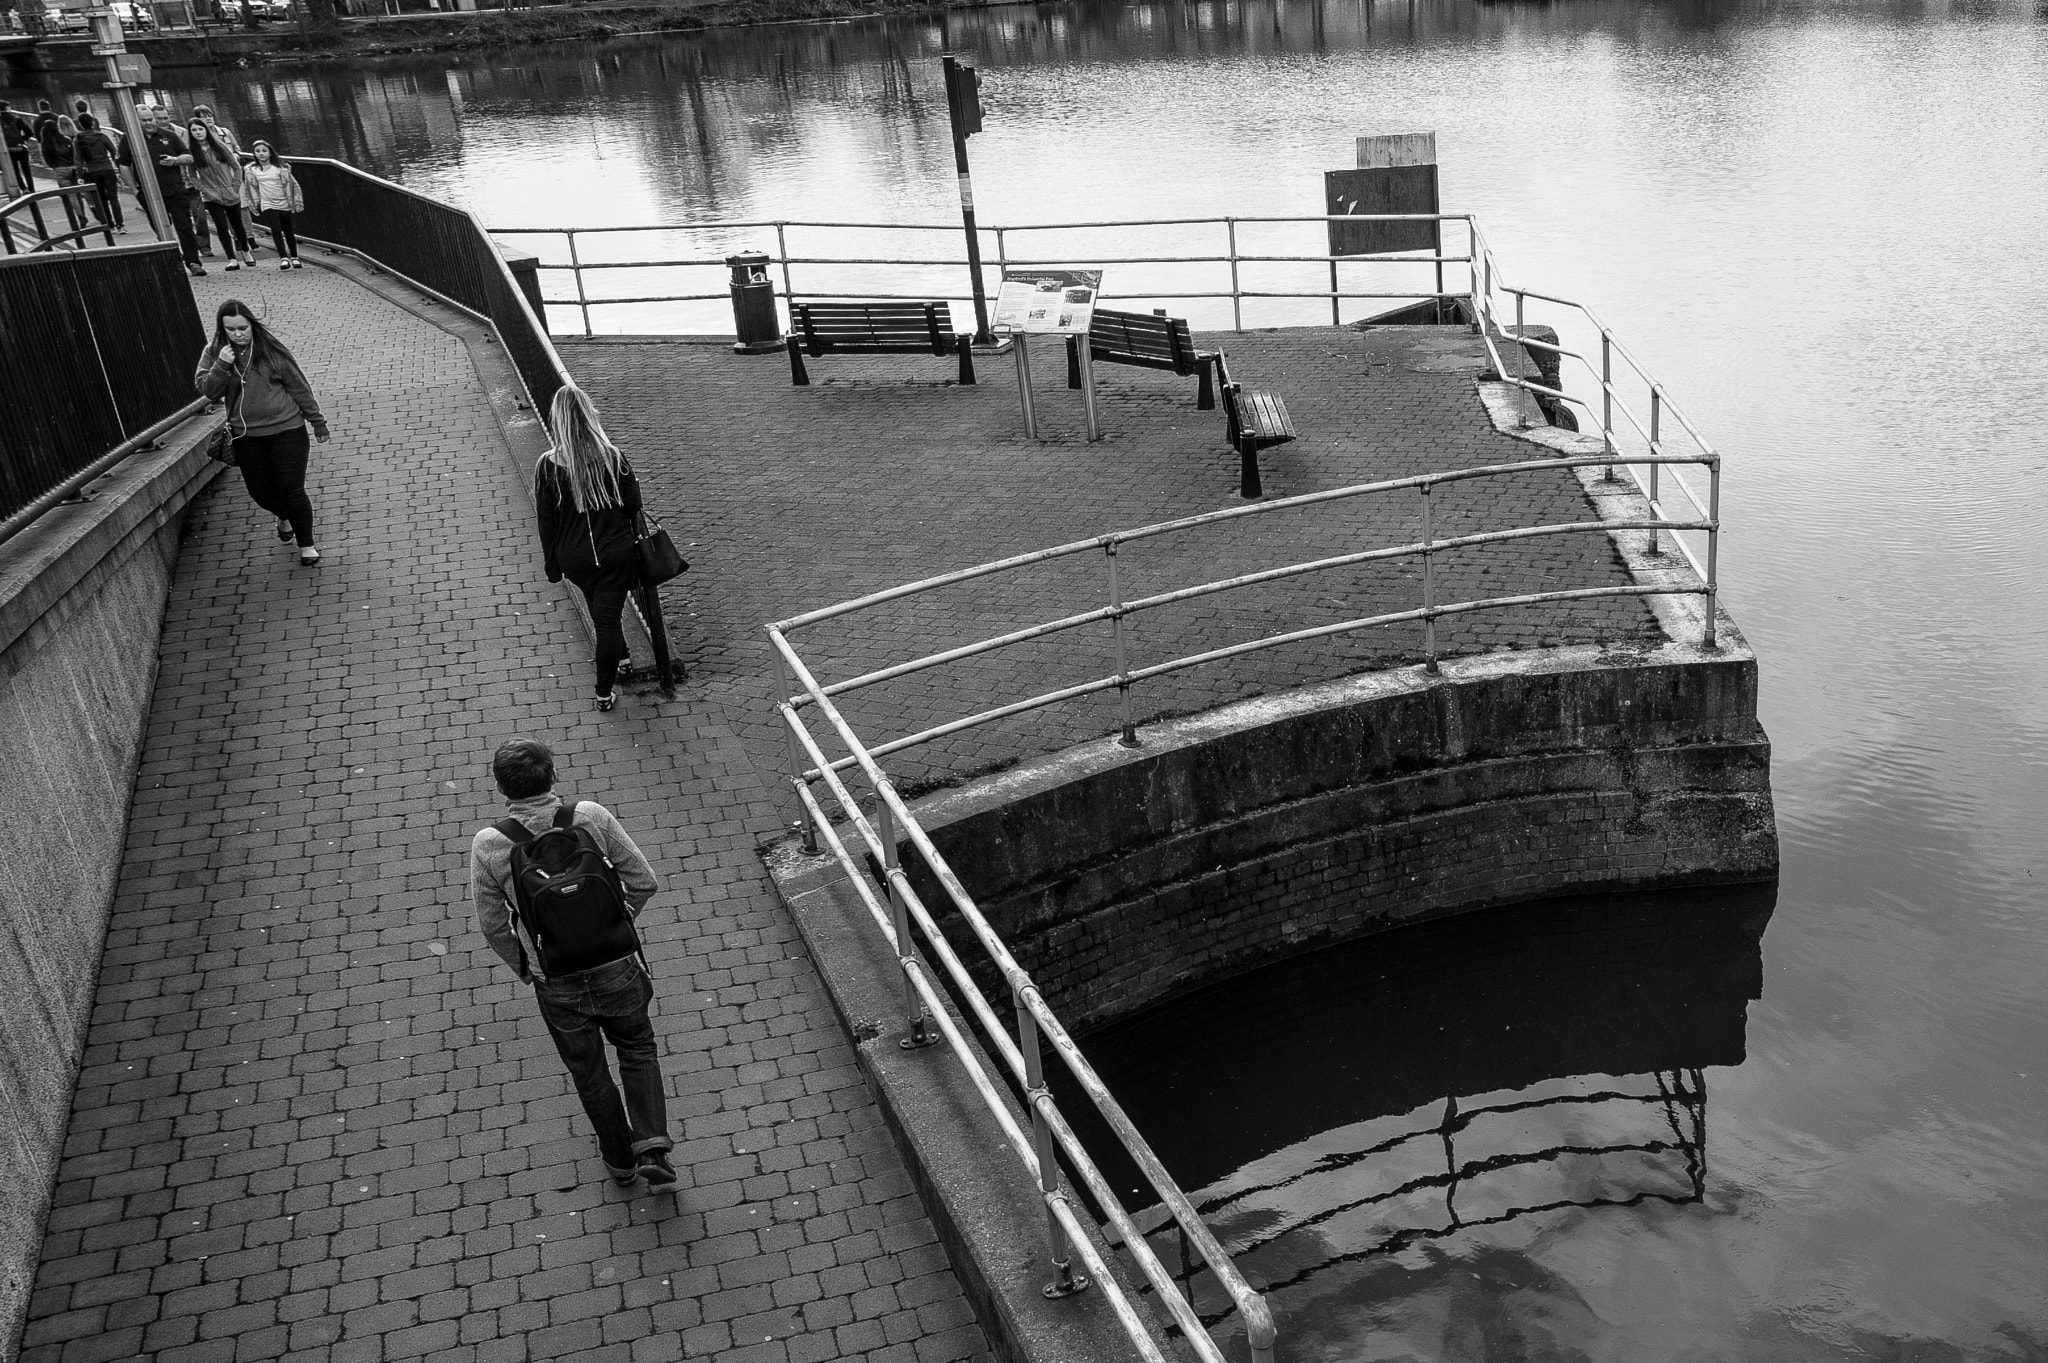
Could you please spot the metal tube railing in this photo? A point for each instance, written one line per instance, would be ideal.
(1250, 1305)
(894, 827)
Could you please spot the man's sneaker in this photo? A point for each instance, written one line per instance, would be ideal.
(655, 1168)
(195, 270)
(607, 700)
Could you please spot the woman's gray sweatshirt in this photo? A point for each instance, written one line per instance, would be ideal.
(264, 402)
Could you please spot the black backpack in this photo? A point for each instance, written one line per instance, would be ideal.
(566, 894)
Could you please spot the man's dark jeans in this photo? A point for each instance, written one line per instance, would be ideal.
(178, 203)
(581, 1011)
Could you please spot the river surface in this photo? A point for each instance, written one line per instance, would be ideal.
(1821, 224)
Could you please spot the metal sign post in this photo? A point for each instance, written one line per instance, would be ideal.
(1023, 348)
(125, 70)
(1088, 386)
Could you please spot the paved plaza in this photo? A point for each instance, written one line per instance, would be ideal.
(884, 472)
(317, 1120)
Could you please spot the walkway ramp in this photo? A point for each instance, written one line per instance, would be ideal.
(316, 1117)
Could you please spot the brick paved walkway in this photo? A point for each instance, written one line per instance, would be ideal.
(317, 1120)
(882, 473)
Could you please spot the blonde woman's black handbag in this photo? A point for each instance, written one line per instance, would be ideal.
(660, 560)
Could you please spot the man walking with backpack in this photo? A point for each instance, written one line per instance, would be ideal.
(565, 879)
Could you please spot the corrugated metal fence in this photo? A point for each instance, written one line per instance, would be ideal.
(96, 347)
(435, 245)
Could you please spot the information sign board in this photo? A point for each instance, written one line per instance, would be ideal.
(1059, 301)
(1396, 174)
(132, 67)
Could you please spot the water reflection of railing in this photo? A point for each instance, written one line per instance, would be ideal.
(1681, 1096)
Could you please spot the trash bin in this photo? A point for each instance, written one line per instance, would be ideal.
(753, 304)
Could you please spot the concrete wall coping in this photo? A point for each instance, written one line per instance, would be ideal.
(56, 564)
(1042, 774)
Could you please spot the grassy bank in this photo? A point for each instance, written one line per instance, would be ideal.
(457, 32)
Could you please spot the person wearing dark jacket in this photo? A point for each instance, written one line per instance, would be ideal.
(46, 131)
(588, 503)
(17, 131)
(95, 152)
(165, 152)
(269, 405)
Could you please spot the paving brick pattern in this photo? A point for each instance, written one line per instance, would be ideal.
(317, 1120)
(883, 472)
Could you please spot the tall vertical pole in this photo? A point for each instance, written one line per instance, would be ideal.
(963, 108)
(110, 43)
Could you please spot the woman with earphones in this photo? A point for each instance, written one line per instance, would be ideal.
(269, 406)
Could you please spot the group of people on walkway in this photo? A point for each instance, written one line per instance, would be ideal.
(585, 495)
(556, 886)
(202, 175)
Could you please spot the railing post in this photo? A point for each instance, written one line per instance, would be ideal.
(1656, 420)
(921, 1034)
(1428, 584)
(1065, 1281)
(1607, 402)
(1487, 294)
(1236, 299)
(796, 762)
(1713, 548)
(1336, 318)
(782, 254)
(576, 270)
(1521, 331)
(1116, 626)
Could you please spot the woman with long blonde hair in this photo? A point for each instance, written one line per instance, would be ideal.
(588, 502)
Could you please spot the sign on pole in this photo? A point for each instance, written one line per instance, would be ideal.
(1060, 301)
(132, 68)
(1396, 174)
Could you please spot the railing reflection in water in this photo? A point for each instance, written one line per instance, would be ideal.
(1310, 1221)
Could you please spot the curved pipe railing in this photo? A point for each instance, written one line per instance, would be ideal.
(76, 199)
(1052, 1139)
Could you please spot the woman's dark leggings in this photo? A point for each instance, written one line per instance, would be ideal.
(607, 605)
(109, 183)
(227, 218)
(282, 237)
(274, 470)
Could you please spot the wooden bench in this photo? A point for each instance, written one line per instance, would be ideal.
(1150, 342)
(874, 329)
(1255, 421)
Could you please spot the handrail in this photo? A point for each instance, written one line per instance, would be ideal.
(893, 820)
(999, 259)
(77, 218)
(893, 826)
(97, 469)
(1035, 1019)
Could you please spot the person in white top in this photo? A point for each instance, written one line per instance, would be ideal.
(271, 195)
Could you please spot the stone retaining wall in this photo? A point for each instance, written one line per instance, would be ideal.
(81, 603)
(1119, 876)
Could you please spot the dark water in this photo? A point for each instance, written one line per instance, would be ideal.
(1821, 224)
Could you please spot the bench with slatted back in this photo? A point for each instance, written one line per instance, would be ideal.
(1150, 342)
(874, 329)
(1255, 421)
